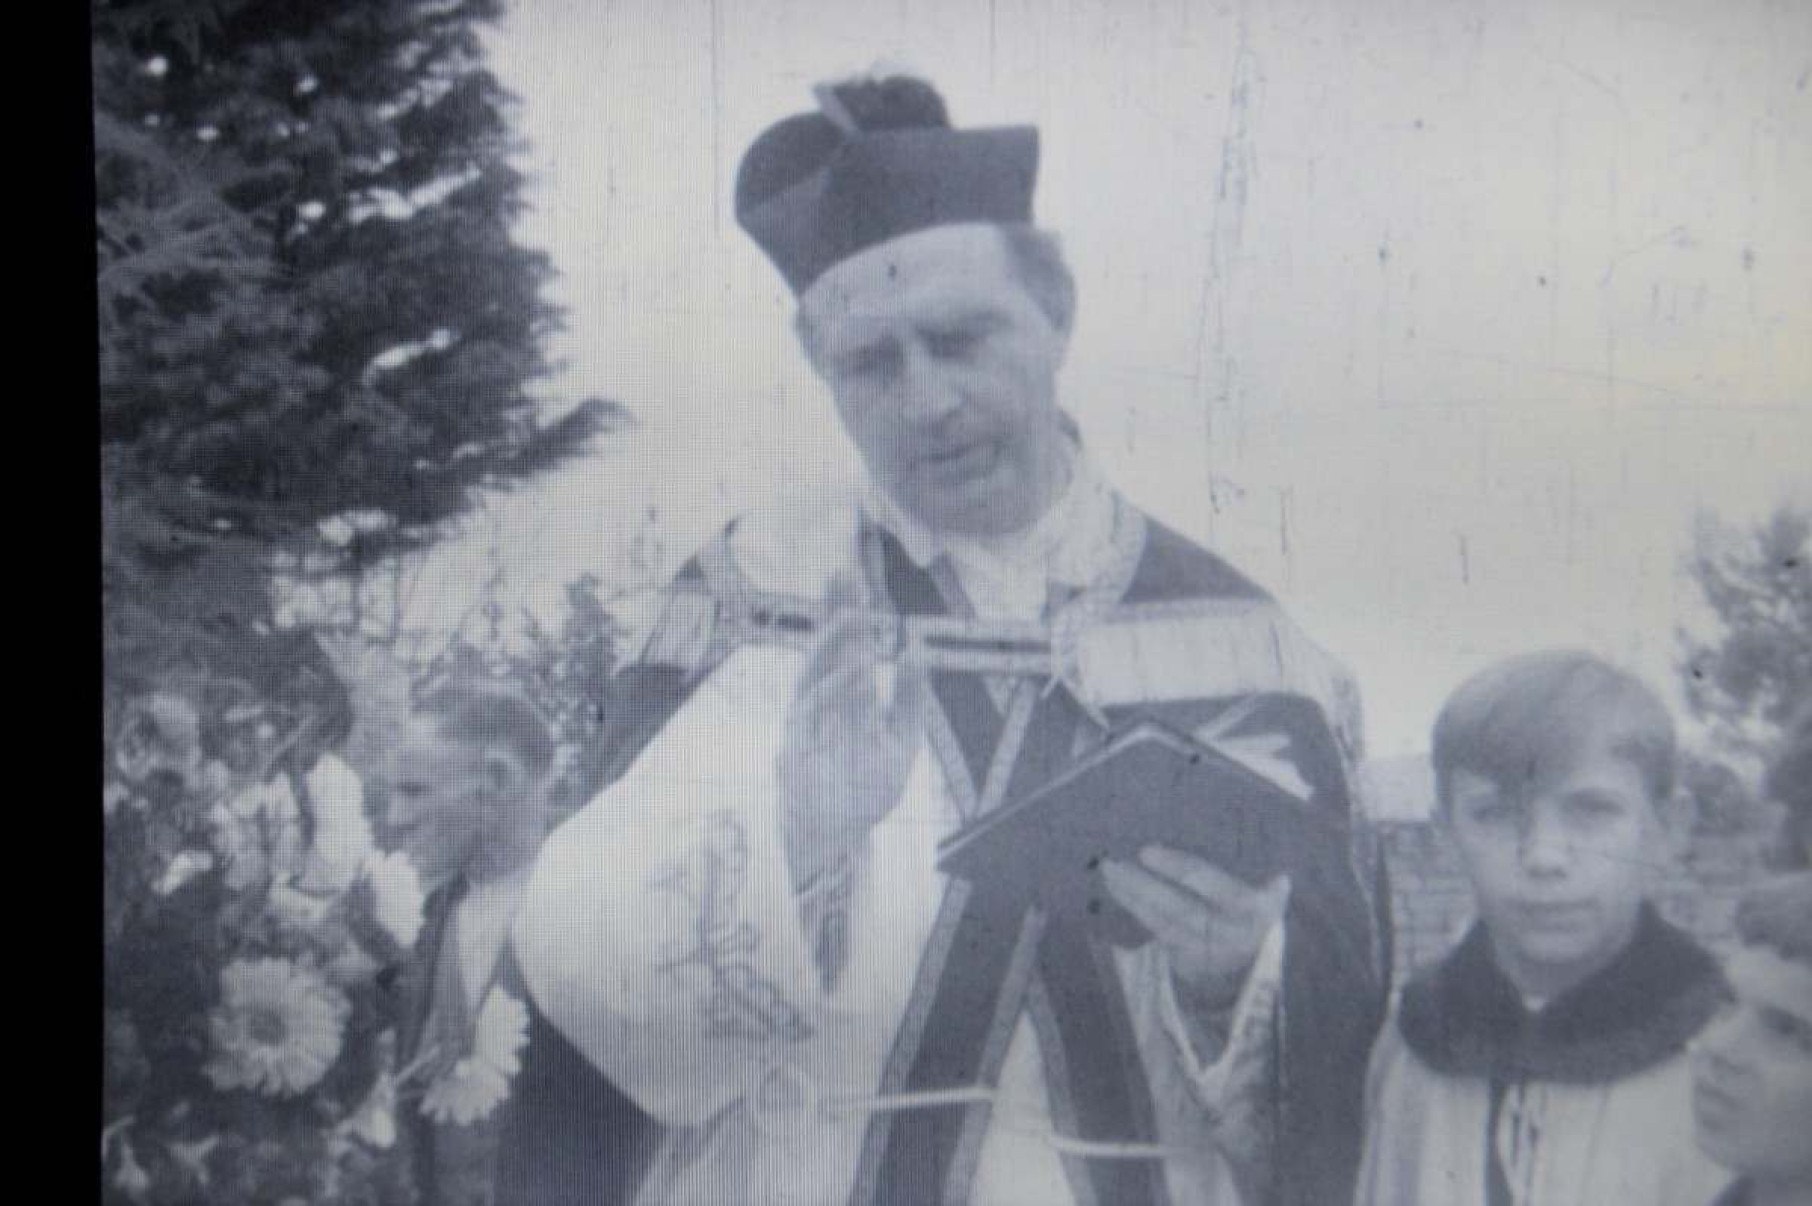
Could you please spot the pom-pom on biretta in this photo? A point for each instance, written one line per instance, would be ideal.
(878, 160)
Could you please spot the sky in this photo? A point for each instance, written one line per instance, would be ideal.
(1441, 318)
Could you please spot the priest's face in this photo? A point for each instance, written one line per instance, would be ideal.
(944, 371)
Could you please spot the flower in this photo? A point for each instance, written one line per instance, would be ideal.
(396, 895)
(259, 833)
(130, 1177)
(296, 909)
(342, 831)
(192, 1158)
(161, 732)
(277, 1028)
(477, 1084)
(375, 1120)
(116, 794)
(213, 779)
(184, 867)
(351, 965)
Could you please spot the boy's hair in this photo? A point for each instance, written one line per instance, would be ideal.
(1513, 720)
(1778, 915)
(491, 714)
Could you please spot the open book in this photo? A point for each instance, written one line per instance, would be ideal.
(1150, 785)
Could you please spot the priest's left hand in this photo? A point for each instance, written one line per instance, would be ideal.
(1210, 923)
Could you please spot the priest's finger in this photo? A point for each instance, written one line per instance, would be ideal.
(844, 593)
(843, 641)
(1172, 915)
(1224, 892)
(904, 712)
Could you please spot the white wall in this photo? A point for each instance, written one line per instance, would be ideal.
(1439, 316)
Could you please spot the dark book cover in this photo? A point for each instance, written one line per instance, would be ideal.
(1149, 786)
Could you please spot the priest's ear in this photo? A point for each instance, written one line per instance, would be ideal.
(1036, 259)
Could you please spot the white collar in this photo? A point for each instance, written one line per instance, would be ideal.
(481, 930)
(1069, 544)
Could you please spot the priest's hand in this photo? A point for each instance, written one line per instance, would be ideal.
(1209, 923)
(851, 739)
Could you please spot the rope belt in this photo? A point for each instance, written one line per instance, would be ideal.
(807, 1100)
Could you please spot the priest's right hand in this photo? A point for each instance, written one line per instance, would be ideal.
(848, 747)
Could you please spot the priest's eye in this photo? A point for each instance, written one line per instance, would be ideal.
(1593, 808)
(953, 343)
(871, 360)
(1493, 812)
(1792, 1030)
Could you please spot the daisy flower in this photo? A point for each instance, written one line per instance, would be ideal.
(342, 831)
(277, 1028)
(477, 1084)
(396, 895)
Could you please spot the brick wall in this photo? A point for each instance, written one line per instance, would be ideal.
(1431, 899)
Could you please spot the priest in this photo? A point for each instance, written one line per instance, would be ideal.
(754, 976)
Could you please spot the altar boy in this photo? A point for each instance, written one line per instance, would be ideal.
(1543, 1061)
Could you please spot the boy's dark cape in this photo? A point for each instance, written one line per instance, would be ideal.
(1465, 1018)
(577, 1139)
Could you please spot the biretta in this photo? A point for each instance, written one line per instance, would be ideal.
(878, 160)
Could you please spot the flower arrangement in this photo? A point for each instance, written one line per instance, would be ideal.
(249, 1036)
(254, 928)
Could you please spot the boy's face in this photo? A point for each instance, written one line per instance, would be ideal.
(1752, 1070)
(453, 805)
(1560, 865)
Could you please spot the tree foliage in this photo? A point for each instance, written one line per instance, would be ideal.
(1747, 676)
(309, 300)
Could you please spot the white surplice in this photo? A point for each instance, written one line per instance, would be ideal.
(660, 931)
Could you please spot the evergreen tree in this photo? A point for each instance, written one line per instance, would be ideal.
(309, 302)
(309, 299)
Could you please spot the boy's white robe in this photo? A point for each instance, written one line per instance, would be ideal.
(1625, 1143)
(1597, 1108)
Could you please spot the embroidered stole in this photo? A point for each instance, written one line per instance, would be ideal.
(990, 958)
